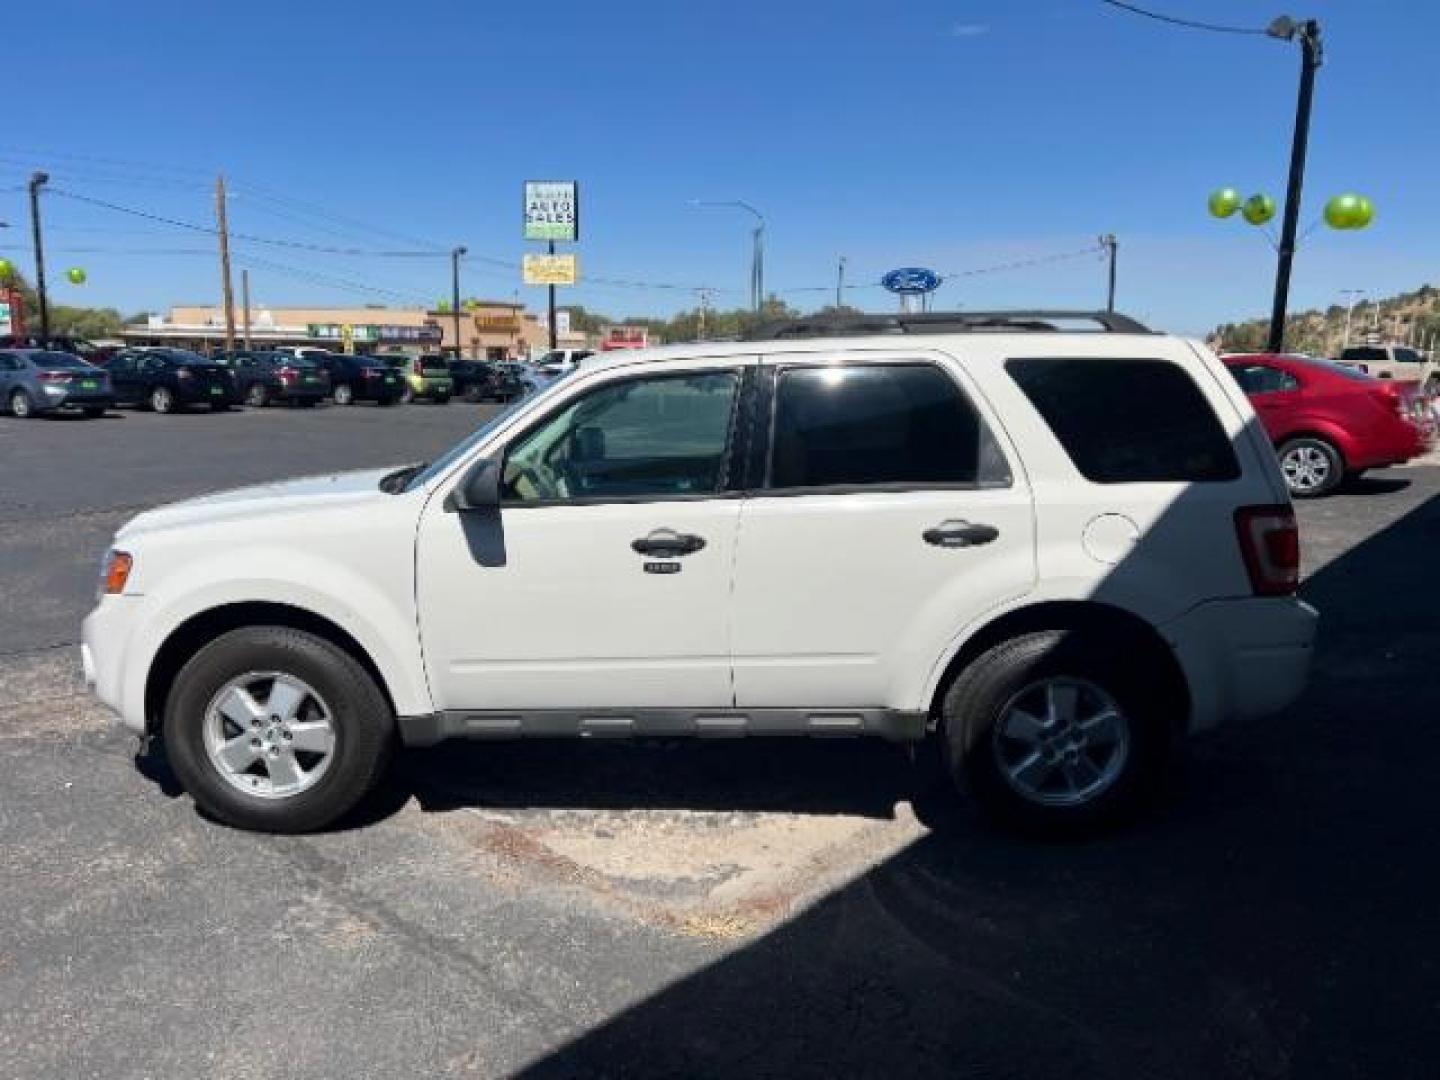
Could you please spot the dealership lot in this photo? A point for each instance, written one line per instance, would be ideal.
(698, 909)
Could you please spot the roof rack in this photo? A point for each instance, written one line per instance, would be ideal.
(941, 322)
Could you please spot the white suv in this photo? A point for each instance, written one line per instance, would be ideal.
(1047, 552)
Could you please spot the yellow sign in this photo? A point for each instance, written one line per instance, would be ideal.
(347, 338)
(551, 270)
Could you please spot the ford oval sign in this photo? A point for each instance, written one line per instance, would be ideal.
(910, 280)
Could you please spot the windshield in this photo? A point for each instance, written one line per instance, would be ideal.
(465, 445)
(57, 360)
(434, 363)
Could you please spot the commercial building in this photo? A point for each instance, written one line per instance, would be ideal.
(489, 329)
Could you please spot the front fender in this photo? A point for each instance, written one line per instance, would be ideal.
(377, 611)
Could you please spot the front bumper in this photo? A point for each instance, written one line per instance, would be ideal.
(104, 636)
(1243, 658)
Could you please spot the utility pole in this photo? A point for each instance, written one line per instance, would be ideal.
(37, 181)
(703, 313)
(840, 283)
(455, 257)
(1311, 57)
(226, 289)
(1110, 244)
(245, 299)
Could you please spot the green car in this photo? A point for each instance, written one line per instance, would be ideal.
(425, 377)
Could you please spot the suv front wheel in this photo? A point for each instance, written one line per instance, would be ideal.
(1053, 736)
(276, 730)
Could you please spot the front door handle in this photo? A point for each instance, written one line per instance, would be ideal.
(668, 544)
(957, 534)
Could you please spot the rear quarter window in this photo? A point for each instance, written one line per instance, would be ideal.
(1128, 420)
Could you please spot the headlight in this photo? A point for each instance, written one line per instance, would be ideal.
(115, 572)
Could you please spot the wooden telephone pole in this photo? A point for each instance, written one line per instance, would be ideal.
(229, 293)
(245, 304)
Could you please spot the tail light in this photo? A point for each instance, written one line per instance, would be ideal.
(288, 374)
(184, 373)
(53, 376)
(1270, 544)
(372, 373)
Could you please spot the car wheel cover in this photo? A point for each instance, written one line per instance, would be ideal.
(20, 404)
(1061, 742)
(255, 395)
(161, 400)
(269, 734)
(1306, 467)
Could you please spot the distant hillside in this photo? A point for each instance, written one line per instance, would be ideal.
(1411, 318)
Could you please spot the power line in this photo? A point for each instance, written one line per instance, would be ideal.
(1189, 24)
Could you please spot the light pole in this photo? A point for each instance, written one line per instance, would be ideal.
(757, 261)
(455, 257)
(1312, 55)
(840, 284)
(1349, 310)
(38, 181)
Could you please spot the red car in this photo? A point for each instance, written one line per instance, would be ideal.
(1331, 423)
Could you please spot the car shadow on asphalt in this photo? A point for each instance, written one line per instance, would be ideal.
(1273, 918)
(1375, 485)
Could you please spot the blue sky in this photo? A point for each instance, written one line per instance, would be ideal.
(957, 135)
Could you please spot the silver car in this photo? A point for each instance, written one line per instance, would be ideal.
(35, 381)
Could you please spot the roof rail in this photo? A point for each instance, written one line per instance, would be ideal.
(942, 322)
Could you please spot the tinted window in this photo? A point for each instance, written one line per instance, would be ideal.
(643, 437)
(878, 424)
(1263, 379)
(434, 364)
(9, 362)
(122, 365)
(1408, 356)
(1364, 355)
(1126, 421)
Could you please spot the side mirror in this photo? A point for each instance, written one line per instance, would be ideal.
(479, 489)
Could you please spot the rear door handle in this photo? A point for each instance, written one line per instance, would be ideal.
(667, 544)
(956, 534)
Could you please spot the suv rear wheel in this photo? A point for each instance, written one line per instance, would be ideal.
(277, 730)
(1054, 737)
(21, 406)
(343, 394)
(257, 395)
(1312, 467)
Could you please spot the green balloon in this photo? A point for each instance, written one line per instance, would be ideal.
(1364, 213)
(1343, 211)
(1224, 202)
(6, 269)
(1258, 209)
(76, 275)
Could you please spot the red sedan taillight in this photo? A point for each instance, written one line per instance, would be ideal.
(1270, 545)
(287, 374)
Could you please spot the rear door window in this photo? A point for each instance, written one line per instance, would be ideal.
(1128, 420)
(869, 425)
(1263, 379)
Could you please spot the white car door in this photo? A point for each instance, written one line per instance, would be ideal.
(603, 580)
(888, 517)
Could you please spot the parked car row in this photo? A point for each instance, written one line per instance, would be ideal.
(34, 380)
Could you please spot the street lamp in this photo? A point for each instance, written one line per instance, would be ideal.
(757, 262)
(455, 257)
(1312, 55)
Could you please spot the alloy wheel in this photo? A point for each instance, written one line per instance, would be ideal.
(1061, 741)
(20, 405)
(1306, 468)
(269, 734)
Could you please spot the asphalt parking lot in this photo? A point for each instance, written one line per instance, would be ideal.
(717, 909)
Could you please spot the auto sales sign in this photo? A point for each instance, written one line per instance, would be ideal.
(552, 210)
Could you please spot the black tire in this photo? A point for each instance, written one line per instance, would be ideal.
(21, 407)
(94, 412)
(344, 394)
(361, 717)
(306, 402)
(443, 399)
(257, 395)
(1312, 467)
(162, 400)
(219, 406)
(1001, 683)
